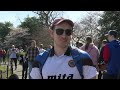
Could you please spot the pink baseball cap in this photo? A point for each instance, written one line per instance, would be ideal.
(58, 21)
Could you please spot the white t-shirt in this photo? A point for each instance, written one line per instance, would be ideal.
(59, 67)
(13, 53)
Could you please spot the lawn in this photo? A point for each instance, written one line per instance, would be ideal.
(4, 69)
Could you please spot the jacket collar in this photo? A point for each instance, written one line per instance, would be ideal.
(67, 53)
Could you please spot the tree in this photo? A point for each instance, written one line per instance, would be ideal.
(4, 30)
(110, 20)
(88, 26)
(47, 17)
(30, 23)
(18, 37)
(38, 26)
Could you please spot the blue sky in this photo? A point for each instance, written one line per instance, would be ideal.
(15, 16)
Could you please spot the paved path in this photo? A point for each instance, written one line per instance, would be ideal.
(18, 71)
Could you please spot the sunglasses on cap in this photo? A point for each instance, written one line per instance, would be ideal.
(60, 31)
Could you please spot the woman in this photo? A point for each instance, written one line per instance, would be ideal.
(92, 50)
(1, 55)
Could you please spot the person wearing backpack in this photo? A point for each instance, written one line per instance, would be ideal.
(111, 55)
(24, 68)
(63, 61)
(4, 56)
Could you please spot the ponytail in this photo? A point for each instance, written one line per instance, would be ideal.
(88, 40)
(86, 46)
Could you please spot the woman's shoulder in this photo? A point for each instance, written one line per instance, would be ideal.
(82, 47)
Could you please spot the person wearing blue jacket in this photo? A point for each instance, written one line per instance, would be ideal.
(111, 55)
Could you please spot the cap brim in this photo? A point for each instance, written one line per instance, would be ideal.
(65, 20)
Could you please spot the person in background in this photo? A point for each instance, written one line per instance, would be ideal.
(101, 59)
(1, 55)
(13, 76)
(49, 47)
(93, 51)
(21, 55)
(31, 54)
(41, 49)
(13, 55)
(4, 56)
(79, 44)
(111, 55)
(24, 68)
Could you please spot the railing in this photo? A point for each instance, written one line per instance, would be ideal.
(6, 72)
(1, 73)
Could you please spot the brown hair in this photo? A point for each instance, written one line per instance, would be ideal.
(88, 40)
(13, 76)
(104, 41)
(33, 41)
(41, 45)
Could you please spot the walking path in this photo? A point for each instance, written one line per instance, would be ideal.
(18, 71)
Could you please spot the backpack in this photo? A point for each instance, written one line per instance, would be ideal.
(76, 55)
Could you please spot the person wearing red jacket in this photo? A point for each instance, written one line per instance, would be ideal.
(111, 55)
(1, 55)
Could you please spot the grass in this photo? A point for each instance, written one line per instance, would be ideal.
(4, 69)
